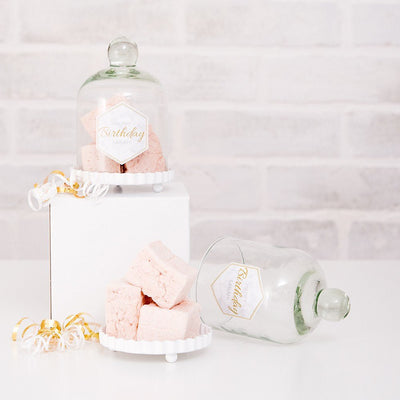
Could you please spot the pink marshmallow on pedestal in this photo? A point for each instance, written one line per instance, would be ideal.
(93, 160)
(146, 163)
(89, 119)
(152, 160)
(123, 305)
(164, 277)
(154, 142)
(180, 322)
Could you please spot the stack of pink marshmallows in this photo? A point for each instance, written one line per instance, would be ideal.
(151, 303)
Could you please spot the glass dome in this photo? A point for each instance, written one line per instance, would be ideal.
(265, 291)
(121, 127)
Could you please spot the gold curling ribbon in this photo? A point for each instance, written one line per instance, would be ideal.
(79, 320)
(66, 187)
(56, 182)
(50, 335)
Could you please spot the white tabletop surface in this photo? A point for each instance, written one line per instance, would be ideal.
(358, 358)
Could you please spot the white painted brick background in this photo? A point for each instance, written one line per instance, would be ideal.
(285, 114)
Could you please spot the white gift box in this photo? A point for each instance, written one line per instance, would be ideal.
(94, 243)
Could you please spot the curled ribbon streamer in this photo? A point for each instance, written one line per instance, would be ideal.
(56, 182)
(50, 335)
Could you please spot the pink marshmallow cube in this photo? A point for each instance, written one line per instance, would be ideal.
(123, 305)
(152, 160)
(180, 322)
(94, 160)
(164, 277)
(89, 119)
(146, 162)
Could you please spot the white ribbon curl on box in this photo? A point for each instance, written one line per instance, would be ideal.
(41, 195)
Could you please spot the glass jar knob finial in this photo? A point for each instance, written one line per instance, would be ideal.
(122, 52)
(332, 304)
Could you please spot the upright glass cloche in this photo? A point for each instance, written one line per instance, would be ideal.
(122, 136)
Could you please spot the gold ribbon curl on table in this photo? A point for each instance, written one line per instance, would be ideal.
(51, 335)
(56, 182)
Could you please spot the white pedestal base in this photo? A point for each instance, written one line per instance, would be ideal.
(169, 348)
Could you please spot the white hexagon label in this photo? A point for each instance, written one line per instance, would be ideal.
(122, 133)
(238, 290)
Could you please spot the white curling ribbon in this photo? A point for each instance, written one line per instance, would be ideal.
(72, 338)
(34, 344)
(95, 190)
(41, 195)
(58, 179)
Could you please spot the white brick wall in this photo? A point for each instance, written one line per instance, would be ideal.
(285, 114)
(262, 23)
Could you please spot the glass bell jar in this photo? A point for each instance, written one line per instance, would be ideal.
(122, 137)
(266, 292)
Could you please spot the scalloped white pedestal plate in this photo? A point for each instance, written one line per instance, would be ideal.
(157, 179)
(169, 348)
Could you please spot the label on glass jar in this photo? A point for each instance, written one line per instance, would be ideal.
(238, 290)
(122, 133)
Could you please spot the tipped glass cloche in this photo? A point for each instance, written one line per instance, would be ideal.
(264, 291)
(122, 136)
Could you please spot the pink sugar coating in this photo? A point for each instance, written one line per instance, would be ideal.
(152, 160)
(179, 322)
(89, 119)
(123, 305)
(154, 142)
(94, 160)
(164, 277)
(148, 163)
